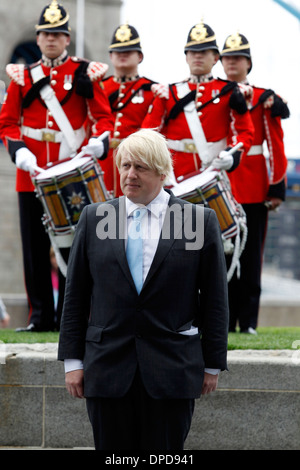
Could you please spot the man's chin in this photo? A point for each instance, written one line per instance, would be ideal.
(131, 192)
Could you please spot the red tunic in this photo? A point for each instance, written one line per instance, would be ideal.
(252, 179)
(77, 108)
(129, 101)
(218, 119)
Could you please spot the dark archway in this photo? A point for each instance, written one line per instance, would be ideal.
(26, 52)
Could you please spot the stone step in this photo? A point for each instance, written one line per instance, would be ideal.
(256, 406)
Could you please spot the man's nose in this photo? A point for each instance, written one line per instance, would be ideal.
(132, 172)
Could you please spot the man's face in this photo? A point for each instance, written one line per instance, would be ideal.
(126, 61)
(236, 67)
(52, 45)
(138, 182)
(201, 62)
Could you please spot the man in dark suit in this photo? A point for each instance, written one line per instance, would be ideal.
(141, 355)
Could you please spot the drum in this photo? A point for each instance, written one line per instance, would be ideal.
(64, 189)
(212, 188)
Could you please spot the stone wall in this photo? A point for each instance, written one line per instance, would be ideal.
(11, 264)
(101, 19)
(256, 406)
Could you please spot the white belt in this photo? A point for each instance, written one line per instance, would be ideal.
(50, 135)
(189, 146)
(255, 150)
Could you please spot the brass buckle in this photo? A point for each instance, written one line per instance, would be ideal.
(114, 143)
(190, 147)
(48, 137)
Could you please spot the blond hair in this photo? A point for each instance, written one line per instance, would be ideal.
(150, 147)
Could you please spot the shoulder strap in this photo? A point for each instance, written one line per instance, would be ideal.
(113, 96)
(263, 97)
(194, 124)
(34, 91)
(52, 103)
(178, 107)
(278, 108)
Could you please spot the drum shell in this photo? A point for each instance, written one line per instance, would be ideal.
(64, 190)
(212, 188)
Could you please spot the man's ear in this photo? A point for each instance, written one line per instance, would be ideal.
(141, 55)
(217, 57)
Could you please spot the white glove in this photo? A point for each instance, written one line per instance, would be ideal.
(160, 90)
(269, 102)
(95, 147)
(247, 92)
(224, 161)
(25, 160)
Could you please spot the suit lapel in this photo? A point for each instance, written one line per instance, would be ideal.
(118, 242)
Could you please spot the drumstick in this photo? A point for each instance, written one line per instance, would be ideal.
(229, 152)
(233, 149)
(82, 153)
(38, 169)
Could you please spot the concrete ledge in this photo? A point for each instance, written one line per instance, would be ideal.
(256, 406)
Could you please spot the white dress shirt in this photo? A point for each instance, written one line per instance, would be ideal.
(151, 227)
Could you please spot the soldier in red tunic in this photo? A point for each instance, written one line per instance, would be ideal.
(36, 134)
(257, 187)
(129, 94)
(198, 115)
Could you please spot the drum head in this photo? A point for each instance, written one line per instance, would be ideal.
(62, 168)
(197, 181)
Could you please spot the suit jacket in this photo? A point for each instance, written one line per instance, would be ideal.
(115, 331)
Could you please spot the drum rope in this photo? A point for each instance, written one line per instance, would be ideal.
(238, 250)
(60, 261)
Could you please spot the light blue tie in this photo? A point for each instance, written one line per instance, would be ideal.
(134, 251)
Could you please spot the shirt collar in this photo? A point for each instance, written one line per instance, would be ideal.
(156, 206)
(201, 78)
(55, 62)
(124, 79)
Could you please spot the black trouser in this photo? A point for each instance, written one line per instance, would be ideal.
(139, 422)
(244, 293)
(37, 267)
